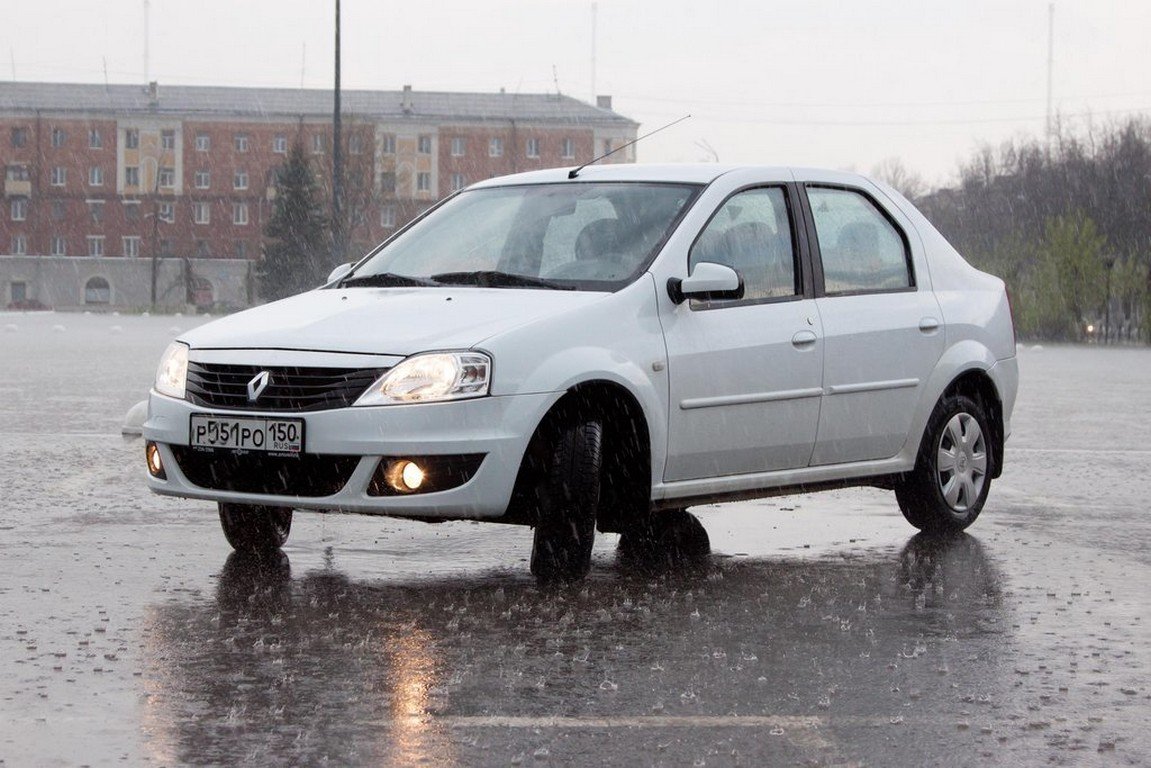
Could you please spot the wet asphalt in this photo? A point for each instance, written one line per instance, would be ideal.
(820, 631)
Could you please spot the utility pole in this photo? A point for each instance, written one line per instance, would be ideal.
(337, 160)
(593, 52)
(1050, 68)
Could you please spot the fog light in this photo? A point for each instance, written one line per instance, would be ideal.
(405, 476)
(155, 463)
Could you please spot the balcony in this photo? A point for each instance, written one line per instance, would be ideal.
(16, 188)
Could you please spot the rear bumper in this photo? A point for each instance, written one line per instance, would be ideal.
(497, 427)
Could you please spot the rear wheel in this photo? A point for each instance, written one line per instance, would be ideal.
(255, 529)
(948, 487)
(569, 501)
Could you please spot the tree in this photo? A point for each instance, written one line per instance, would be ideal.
(892, 171)
(296, 258)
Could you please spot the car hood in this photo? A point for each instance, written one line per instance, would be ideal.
(384, 321)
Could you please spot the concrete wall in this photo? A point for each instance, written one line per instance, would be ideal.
(59, 282)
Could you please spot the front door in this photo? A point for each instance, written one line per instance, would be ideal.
(745, 375)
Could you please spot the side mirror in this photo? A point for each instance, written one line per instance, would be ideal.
(708, 281)
(339, 272)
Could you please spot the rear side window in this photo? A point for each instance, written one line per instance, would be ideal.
(751, 233)
(860, 248)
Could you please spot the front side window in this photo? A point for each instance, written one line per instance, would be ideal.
(586, 236)
(752, 234)
(860, 248)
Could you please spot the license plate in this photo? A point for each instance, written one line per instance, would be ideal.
(246, 433)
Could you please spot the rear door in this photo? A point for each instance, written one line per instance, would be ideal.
(881, 322)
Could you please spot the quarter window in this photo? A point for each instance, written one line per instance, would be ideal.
(860, 248)
(751, 233)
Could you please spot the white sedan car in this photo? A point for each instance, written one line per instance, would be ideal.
(604, 348)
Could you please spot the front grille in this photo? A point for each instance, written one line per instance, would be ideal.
(289, 389)
(306, 475)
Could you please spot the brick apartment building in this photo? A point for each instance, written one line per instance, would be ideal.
(98, 173)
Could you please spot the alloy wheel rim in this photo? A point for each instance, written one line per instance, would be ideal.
(961, 462)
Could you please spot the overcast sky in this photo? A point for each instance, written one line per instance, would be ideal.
(839, 84)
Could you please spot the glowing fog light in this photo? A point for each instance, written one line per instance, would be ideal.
(405, 476)
(155, 462)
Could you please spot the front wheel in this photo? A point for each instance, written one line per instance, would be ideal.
(252, 529)
(946, 490)
(561, 548)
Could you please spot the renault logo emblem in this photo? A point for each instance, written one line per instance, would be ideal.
(257, 385)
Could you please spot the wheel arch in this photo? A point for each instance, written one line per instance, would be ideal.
(627, 452)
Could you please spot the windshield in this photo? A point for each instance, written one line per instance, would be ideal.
(575, 236)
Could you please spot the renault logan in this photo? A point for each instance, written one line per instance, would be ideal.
(603, 349)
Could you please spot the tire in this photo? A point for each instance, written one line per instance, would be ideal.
(668, 542)
(946, 490)
(254, 529)
(565, 531)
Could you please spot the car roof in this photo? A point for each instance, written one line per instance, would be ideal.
(689, 173)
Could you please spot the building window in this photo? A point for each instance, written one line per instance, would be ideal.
(203, 142)
(355, 144)
(59, 177)
(19, 208)
(132, 176)
(459, 146)
(203, 179)
(97, 291)
(496, 147)
(19, 245)
(240, 180)
(167, 139)
(165, 246)
(95, 140)
(280, 144)
(167, 212)
(59, 137)
(388, 181)
(58, 210)
(95, 245)
(240, 214)
(59, 246)
(96, 211)
(568, 149)
(19, 137)
(388, 143)
(423, 182)
(131, 247)
(458, 182)
(96, 177)
(424, 144)
(131, 211)
(131, 139)
(606, 146)
(388, 216)
(17, 173)
(202, 249)
(241, 140)
(318, 143)
(19, 291)
(201, 213)
(167, 177)
(533, 148)
(241, 249)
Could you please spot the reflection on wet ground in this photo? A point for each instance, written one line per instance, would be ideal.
(320, 666)
(819, 631)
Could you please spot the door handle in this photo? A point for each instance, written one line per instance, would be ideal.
(803, 339)
(929, 325)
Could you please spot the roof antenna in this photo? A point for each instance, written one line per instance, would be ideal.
(575, 171)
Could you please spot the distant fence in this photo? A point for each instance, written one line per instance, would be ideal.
(77, 282)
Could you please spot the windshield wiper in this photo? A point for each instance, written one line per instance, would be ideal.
(384, 280)
(492, 278)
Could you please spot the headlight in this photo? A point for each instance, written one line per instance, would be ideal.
(432, 377)
(173, 371)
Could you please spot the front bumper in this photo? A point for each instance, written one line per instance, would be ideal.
(497, 427)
